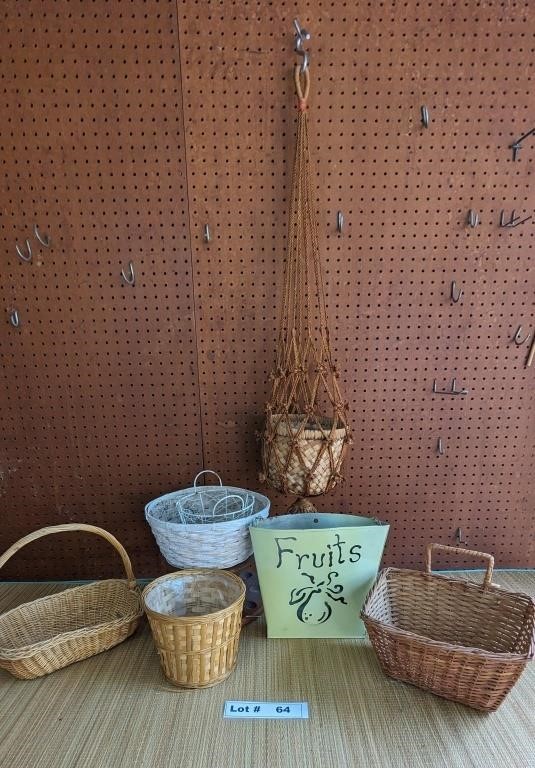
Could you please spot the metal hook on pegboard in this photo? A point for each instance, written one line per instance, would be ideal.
(130, 278)
(300, 37)
(503, 222)
(516, 145)
(14, 318)
(45, 240)
(206, 234)
(459, 537)
(456, 294)
(531, 354)
(517, 338)
(425, 117)
(514, 221)
(473, 218)
(440, 447)
(22, 256)
(452, 391)
(339, 222)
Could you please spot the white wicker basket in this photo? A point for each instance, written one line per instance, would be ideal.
(213, 544)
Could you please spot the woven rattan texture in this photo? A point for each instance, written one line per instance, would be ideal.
(203, 545)
(59, 630)
(116, 710)
(406, 609)
(128, 126)
(44, 635)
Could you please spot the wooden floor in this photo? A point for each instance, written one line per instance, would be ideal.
(115, 710)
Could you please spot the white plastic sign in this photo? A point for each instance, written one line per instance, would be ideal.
(266, 709)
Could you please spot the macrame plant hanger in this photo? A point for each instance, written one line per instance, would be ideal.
(306, 429)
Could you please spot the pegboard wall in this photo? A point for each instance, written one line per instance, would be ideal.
(129, 127)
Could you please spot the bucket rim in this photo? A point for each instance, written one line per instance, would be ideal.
(174, 495)
(310, 430)
(201, 618)
(272, 522)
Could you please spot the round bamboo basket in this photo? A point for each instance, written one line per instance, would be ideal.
(196, 618)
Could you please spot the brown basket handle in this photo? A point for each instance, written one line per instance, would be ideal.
(73, 527)
(487, 581)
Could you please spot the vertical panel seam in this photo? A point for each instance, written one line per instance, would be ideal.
(192, 267)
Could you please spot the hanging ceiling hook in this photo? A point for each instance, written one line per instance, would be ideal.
(130, 279)
(22, 256)
(300, 36)
(43, 239)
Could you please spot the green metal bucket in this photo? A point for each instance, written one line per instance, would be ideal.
(315, 570)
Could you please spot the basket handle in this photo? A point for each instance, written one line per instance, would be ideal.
(487, 581)
(203, 472)
(8, 554)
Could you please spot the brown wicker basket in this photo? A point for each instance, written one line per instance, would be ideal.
(462, 641)
(47, 634)
(304, 461)
(196, 617)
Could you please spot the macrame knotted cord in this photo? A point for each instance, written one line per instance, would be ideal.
(303, 449)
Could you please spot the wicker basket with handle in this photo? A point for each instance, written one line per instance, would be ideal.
(196, 618)
(49, 633)
(460, 640)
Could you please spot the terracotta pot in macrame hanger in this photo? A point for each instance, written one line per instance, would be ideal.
(306, 430)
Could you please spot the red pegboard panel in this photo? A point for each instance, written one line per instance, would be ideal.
(129, 125)
(99, 383)
(405, 192)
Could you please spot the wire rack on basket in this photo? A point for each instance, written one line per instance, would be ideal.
(206, 526)
(214, 505)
